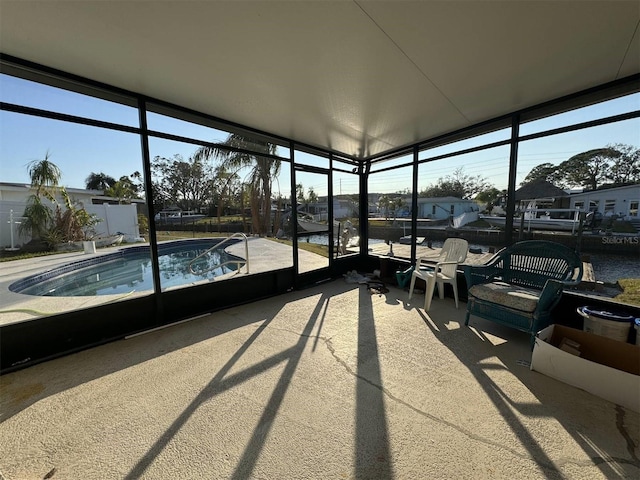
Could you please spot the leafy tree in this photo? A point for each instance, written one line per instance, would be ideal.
(390, 205)
(589, 169)
(312, 197)
(626, 168)
(143, 224)
(300, 198)
(300, 193)
(459, 185)
(185, 183)
(99, 181)
(160, 196)
(491, 197)
(124, 190)
(545, 171)
(227, 187)
(617, 164)
(444, 188)
(245, 152)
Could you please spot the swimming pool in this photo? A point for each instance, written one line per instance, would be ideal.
(129, 269)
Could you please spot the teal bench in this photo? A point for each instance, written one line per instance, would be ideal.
(521, 284)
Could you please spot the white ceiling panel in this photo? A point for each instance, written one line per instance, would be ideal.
(498, 57)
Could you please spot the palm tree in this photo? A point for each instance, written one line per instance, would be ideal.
(124, 190)
(246, 152)
(45, 176)
(99, 181)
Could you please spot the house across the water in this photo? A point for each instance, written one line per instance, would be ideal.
(620, 201)
(442, 208)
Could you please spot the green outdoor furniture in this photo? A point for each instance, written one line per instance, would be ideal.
(521, 284)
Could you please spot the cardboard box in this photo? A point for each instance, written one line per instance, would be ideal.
(607, 368)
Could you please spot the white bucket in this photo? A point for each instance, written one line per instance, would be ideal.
(606, 324)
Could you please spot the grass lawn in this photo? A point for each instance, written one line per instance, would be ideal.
(8, 257)
(163, 235)
(309, 247)
(631, 291)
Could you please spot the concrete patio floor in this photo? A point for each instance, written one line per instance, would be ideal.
(328, 382)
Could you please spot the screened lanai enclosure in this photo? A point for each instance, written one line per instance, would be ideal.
(252, 168)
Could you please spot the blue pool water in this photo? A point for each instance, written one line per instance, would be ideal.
(129, 269)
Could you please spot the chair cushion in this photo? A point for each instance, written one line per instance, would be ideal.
(512, 296)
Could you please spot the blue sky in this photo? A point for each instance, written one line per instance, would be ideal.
(80, 150)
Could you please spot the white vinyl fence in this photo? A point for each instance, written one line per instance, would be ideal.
(114, 219)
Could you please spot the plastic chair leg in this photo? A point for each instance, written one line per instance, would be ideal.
(428, 293)
(413, 282)
(455, 292)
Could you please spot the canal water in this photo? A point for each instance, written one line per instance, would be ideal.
(611, 268)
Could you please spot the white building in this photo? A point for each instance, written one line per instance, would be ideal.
(113, 217)
(342, 208)
(621, 201)
(441, 208)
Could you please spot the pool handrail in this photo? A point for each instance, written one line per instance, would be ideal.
(217, 246)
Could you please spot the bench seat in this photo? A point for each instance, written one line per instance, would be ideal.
(510, 296)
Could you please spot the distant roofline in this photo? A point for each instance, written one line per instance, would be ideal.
(94, 194)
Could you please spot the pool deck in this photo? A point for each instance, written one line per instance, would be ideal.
(264, 255)
(328, 382)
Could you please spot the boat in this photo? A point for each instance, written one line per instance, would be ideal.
(109, 240)
(312, 226)
(344, 233)
(559, 219)
(557, 224)
(539, 215)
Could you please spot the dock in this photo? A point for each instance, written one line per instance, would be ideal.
(403, 251)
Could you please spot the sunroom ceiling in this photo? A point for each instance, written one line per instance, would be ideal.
(357, 77)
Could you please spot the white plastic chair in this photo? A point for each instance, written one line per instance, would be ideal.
(454, 251)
